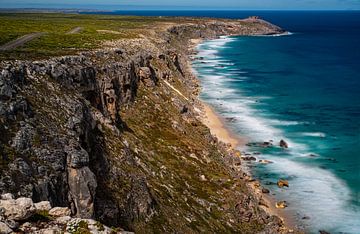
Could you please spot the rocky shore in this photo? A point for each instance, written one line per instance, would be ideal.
(115, 135)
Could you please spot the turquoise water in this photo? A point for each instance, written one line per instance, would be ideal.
(303, 88)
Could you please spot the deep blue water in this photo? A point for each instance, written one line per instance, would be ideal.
(303, 88)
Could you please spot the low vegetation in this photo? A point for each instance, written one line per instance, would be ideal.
(57, 41)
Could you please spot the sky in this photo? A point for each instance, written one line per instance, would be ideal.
(187, 4)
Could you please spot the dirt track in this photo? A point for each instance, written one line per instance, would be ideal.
(20, 41)
(75, 30)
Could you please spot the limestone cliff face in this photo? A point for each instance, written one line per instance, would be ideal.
(114, 135)
(52, 109)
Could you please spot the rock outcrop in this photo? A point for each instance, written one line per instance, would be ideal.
(19, 209)
(15, 216)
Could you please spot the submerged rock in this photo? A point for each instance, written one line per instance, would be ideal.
(230, 119)
(284, 144)
(283, 183)
(281, 205)
(266, 144)
(264, 161)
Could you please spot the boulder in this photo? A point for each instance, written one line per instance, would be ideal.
(43, 206)
(78, 225)
(19, 209)
(283, 183)
(249, 158)
(12, 224)
(284, 144)
(50, 231)
(264, 161)
(7, 196)
(25, 226)
(203, 178)
(281, 205)
(4, 229)
(60, 211)
(230, 119)
(265, 190)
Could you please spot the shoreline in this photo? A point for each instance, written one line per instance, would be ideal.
(218, 128)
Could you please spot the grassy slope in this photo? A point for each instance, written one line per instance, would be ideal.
(56, 41)
(173, 162)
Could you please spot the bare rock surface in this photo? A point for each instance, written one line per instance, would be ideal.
(19, 209)
(43, 206)
(4, 228)
(44, 219)
(60, 212)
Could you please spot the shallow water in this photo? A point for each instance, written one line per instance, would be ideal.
(303, 88)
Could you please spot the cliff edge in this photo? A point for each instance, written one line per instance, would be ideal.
(115, 135)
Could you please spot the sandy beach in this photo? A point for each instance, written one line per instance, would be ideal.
(218, 128)
(211, 119)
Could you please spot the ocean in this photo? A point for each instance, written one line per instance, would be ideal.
(304, 88)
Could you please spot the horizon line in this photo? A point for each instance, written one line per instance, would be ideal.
(163, 9)
(132, 7)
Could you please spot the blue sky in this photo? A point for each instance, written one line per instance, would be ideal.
(190, 4)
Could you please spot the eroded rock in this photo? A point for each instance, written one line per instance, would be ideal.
(82, 184)
(19, 209)
(5, 229)
(43, 206)
(7, 196)
(60, 211)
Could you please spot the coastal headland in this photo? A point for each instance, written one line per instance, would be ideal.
(106, 121)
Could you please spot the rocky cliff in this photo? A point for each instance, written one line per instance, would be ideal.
(114, 135)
